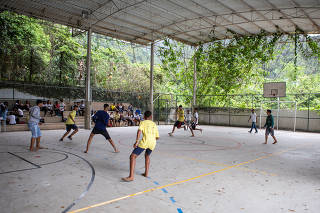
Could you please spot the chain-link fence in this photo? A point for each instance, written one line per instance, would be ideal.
(295, 111)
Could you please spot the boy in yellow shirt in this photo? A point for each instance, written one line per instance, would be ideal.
(181, 120)
(71, 124)
(150, 136)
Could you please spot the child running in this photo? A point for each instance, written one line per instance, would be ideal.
(195, 122)
(101, 119)
(180, 122)
(71, 124)
(269, 125)
(150, 136)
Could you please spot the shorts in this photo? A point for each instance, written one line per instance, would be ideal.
(101, 132)
(193, 125)
(269, 131)
(71, 126)
(35, 130)
(139, 150)
(178, 124)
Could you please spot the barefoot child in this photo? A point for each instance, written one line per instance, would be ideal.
(269, 128)
(33, 124)
(101, 119)
(150, 135)
(195, 122)
(180, 121)
(71, 124)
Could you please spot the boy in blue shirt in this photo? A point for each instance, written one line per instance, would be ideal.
(101, 119)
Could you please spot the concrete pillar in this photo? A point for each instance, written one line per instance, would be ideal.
(194, 102)
(151, 77)
(87, 116)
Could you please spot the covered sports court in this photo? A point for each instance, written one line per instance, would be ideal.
(225, 169)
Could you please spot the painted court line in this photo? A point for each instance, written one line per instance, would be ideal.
(182, 181)
(222, 164)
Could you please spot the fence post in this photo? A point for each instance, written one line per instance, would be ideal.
(229, 110)
(308, 123)
(159, 109)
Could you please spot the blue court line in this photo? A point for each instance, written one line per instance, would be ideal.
(155, 182)
(172, 200)
(164, 190)
(179, 210)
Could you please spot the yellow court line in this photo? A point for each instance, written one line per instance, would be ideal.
(222, 164)
(179, 182)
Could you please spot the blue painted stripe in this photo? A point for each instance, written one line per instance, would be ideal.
(172, 200)
(179, 210)
(164, 190)
(155, 182)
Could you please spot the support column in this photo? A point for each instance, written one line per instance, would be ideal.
(194, 102)
(151, 77)
(87, 116)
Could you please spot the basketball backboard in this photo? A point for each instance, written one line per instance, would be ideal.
(274, 89)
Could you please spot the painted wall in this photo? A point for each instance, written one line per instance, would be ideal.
(239, 117)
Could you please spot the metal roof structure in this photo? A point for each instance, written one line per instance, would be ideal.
(189, 21)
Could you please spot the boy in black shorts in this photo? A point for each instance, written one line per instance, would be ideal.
(180, 120)
(71, 124)
(101, 119)
(150, 136)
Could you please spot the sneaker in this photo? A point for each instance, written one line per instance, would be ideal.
(60, 140)
(249, 131)
(69, 138)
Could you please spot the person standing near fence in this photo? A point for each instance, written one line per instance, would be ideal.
(33, 124)
(269, 125)
(253, 118)
(62, 109)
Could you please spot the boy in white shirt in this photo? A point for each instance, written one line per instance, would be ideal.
(12, 119)
(253, 118)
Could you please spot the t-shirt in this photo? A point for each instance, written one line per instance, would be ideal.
(73, 115)
(253, 117)
(117, 117)
(150, 133)
(62, 105)
(196, 117)
(269, 122)
(188, 117)
(12, 119)
(180, 115)
(101, 119)
(20, 112)
(34, 115)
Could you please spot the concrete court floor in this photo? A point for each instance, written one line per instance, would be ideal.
(223, 170)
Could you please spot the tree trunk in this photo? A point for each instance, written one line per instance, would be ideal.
(31, 65)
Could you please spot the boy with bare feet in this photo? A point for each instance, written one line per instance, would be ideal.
(269, 125)
(195, 122)
(150, 136)
(101, 120)
(33, 124)
(180, 120)
(71, 124)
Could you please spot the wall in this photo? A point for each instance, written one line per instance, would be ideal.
(239, 117)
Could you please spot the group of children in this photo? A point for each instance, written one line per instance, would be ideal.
(187, 122)
(147, 128)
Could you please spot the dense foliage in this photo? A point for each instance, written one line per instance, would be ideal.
(42, 52)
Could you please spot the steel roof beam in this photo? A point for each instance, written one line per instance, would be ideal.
(304, 12)
(249, 21)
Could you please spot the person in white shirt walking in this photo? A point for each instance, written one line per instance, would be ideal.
(253, 118)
